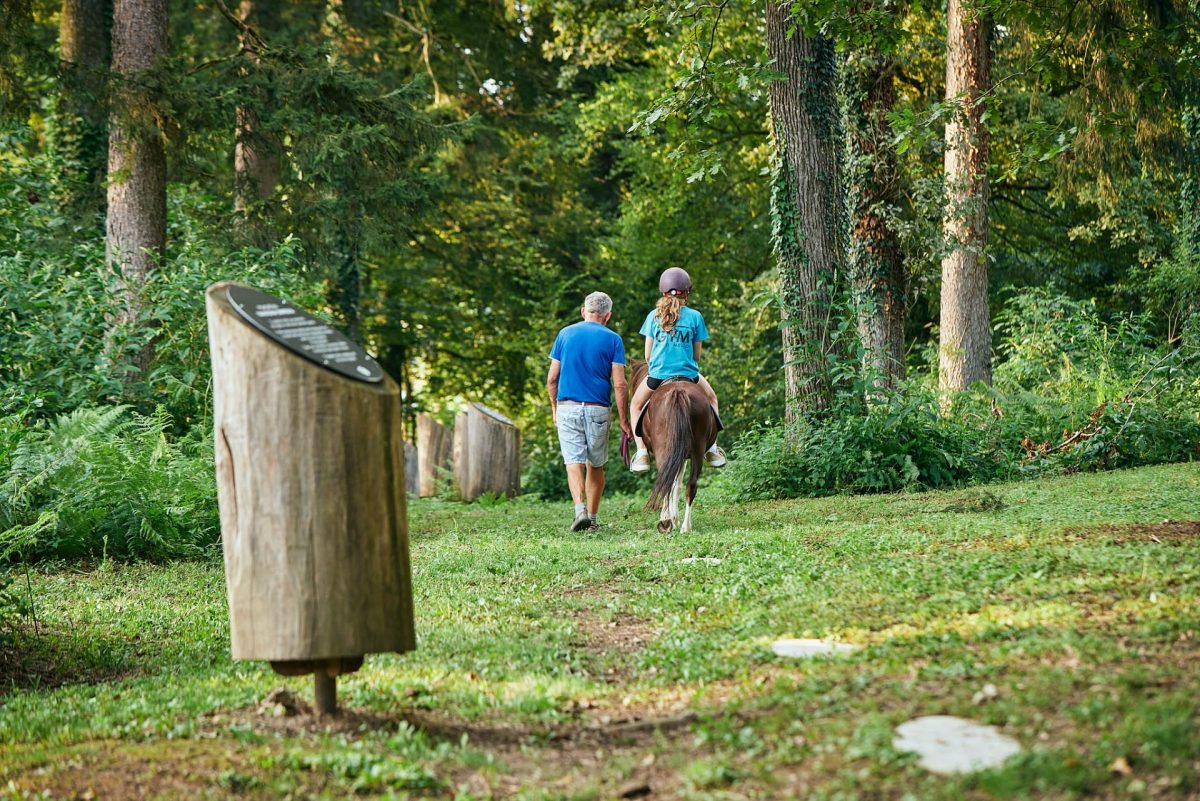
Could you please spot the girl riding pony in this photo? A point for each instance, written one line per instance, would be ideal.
(673, 335)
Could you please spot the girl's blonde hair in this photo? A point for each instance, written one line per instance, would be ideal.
(667, 311)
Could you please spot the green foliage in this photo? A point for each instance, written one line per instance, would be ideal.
(455, 177)
(899, 444)
(11, 603)
(1072, 392)
(107, 481)
(1062, 350)
(545, 475)
(14, 604)
(11, 431)
(1083, 393)
(55, 329)
(1171, 286)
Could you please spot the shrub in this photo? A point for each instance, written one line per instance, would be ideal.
(900, 443)
(1078, 392)
(546, 476)
(59, 347)
(56, 335)
(1125, 433)
(1072, 392)
(1060, 349)
(107, 480)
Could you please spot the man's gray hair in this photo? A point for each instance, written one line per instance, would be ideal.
(597, 303)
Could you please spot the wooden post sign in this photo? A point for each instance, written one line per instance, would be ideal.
(487, 453)
(310, 484)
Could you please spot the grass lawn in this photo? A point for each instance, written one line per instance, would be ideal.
(558, 665)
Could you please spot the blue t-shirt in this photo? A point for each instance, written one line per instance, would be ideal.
(672, 354)
(587, 351)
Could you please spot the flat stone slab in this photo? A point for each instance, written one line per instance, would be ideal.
(708, 560)
(947, 744)
(805, 649)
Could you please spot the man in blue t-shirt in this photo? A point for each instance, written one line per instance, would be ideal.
(587, 364)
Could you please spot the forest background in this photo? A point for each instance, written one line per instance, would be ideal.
(915, 276)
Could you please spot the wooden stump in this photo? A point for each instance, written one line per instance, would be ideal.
(310, 484)
(411, 469)
(487, 453)
(435, 454)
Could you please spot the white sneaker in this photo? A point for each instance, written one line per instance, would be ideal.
(640, 463)
(715, 457)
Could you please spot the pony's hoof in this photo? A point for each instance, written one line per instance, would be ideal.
(665, 526)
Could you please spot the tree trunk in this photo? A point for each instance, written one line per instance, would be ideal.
(82, 129)
(345, 288)
(875, 261)
(310, 485)
(805, 205)
(1187, 226)
(965, 352)
(487, 453)
(137, 163)
(255, 152)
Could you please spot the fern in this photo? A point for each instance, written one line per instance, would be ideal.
(107, 479)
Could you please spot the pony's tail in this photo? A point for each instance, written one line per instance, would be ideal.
(674, 450)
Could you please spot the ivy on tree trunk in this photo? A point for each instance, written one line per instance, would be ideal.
(874, 259)
(805, 204)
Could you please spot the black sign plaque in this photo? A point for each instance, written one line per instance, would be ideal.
(303, 334)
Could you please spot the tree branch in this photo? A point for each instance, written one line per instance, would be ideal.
(251, 38)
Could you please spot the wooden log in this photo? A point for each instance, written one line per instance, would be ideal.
(487, 453)
(435, 454)
(310, 485)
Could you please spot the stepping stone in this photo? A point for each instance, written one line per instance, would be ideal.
(708, 560)
(947, 744)
(805, 649)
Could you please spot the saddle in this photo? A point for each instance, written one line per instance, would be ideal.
(637, 424)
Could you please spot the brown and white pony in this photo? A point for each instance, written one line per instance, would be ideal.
(678, 425)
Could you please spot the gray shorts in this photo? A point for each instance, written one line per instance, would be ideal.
(583, 433)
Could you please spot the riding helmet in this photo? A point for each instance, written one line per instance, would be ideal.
(675, 281)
